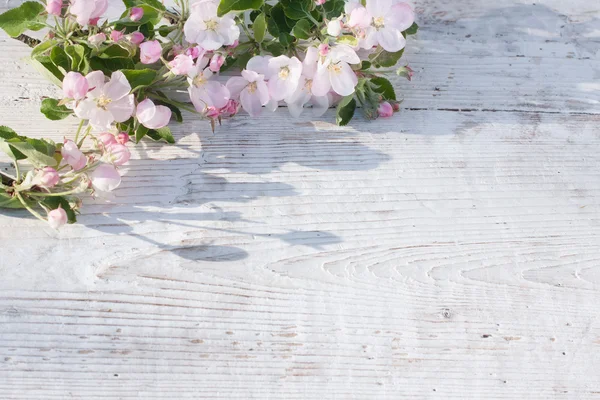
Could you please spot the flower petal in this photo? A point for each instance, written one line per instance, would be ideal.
(122, 109)
(391, 39)
(118, 86)
(401, 17)
(344, 81)
(251, 102)
(96, 81)
(235, 85)
(321, 84)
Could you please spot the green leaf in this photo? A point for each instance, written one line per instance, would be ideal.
(161, 134)
(43, 47)
(39, 152)
(18, 20)
(275, 48)
(384, 87)
(260, 28)
(45, 66)
(151, 14)
(278, 23)
(226, 6)
(9, 201)
(139, 78)
(79, 59)
(53, 111)
(109, 65)
(60, 59)
(382, 58)
(286, 39)
(413, 29)
(345, 110)
(165, 30)
(297, 9)
(59, 201)
(347, 39)
(140, 133)
(333, 8)
(302, 29)
(115, 51)
(155, 16)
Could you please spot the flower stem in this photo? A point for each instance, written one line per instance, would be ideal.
(31, 210)
(78, 130)
(17, 171)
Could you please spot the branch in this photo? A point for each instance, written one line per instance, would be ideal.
(28, 40)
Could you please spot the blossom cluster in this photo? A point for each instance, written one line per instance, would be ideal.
(122, 78)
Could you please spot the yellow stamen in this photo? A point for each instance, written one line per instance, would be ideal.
(379, 22)
(252, 87)
(284, 73)
(211, 24)
(103, 102)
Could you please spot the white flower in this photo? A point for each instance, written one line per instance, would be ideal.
(303, 94)
(389, 19)
(86, 10)
(252, 89)
(205, 92)
(209, 30)
(152, 116)
(334, 72)
(284, 76)
(105, 178)
(108, 102)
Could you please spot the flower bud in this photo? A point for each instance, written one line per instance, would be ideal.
(97, 39)
(195, 52)
(334, 28)
(47, 177)
(54, 7)
(181, 65)
(107, 139)
(231, 108)
(216, 62)
(136, 38)
(320, 2)
(406, 72)
(153, 116)
(385, 110)
(75, 86)
(235, 44)
(123, 138)
(150, 52)
(105, 178)
(117, 154)
(57, 218)
(323, 49)
(212, 112)
(115, 36)
(136, 14)
(73, 156)
(94, 21)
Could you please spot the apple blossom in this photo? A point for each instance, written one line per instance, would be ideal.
(205, 92)
(57, 218)
(385, 110)
(195, 52)
(54, 7)
(216, 62)
(320, 2)
(97, 39)
(389, 19)
(152, 116)
(150, 52)
(46, 177)
(136, 14)
(136, 38)
(107, 139)
(303, 93)
(75, 86)
(231, 108)
(72, 155)
(106, 102)
(123, 137)
(334, 72)
(105, 178)
(252, 90)
(207, 29)
(334, 27)
(181, 64)
(86, 10)
(115, 35)
(117, 154)
(283, 75)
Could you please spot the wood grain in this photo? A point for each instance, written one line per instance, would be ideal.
(452, 252)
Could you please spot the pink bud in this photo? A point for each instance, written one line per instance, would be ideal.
(57, 218)
(94, 21)
(115, 36)
(47, 177)
(396, 107)
(212, 112)
(73, 156)
(181, 65)
(97, 39)
(385, 110)
(234, 44)
(123, 137)
(105, 178)
(136, 38)
(216, 62)
(323, 49)
(107, 139)
(177, 50)
(136, 14)
(118, 154)
(54, 7)
(150, 52)
(153, 116)
(231, 108)
(195, 52)
(406, 72)
(320, 2)
(75, 86)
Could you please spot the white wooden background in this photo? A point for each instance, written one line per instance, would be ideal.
(452, 252)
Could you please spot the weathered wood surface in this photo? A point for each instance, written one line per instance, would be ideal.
(452, 252)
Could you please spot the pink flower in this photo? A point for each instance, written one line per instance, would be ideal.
(47, 177)
(136, 14)
(323, 49)
(105, 178)
(106, 102)
(334, 72)
(150, 52)
(385, 110)
(117, 154)
(136, 38)
(94, 21)
(107, 139)
(153, 116)
(212, 112)
(73, 156)
(231, 108)
(252, 89)
(115, 36)
(195, 52)
(86, 10)
(334, 27)
(320, 2)
(123, 137)
(216, 62)
(204, 91)
(234, 45)
(182, 64)
(75, 86)
(57, 218)
(97, 39)
(54, 7)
